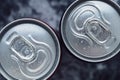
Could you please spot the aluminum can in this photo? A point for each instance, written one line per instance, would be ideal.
(90, 29)
(29, 50)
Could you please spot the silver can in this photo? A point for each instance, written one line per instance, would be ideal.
(91, 29)
(29, 50)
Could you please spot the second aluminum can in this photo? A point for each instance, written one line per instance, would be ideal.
(91, 29)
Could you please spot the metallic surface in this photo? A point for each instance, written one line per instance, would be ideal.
(29, 50)
(50, 11)
(90, 30)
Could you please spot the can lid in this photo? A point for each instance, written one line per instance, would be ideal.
(90, 30)
(29, 50)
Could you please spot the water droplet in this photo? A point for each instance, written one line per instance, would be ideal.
(82, 41)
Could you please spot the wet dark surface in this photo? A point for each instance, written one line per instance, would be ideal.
(50, 11)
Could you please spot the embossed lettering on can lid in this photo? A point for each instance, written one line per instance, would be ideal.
(29, 50)
(91, 30)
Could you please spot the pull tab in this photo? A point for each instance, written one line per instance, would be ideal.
(22, 48)
(98, 31)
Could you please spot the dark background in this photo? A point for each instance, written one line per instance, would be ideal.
(50, 11)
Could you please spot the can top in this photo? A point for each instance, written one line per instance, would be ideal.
(90, 30)
(29, 50)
